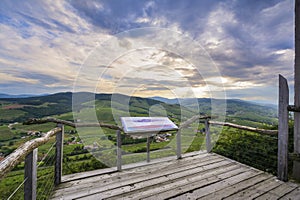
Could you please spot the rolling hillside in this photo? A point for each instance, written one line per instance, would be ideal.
(238, 111)
(60, 104)
(232, 143)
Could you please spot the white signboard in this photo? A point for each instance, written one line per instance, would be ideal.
(132, 125)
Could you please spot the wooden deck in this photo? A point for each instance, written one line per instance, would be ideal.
(201, 176)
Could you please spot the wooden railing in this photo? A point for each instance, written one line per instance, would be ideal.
(20, 153)
(29, 149)
(283, 133)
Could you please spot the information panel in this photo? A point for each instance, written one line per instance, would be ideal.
(133, 125)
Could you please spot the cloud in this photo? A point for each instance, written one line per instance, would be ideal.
(43, 38)
(44, 43)
(6, 78)
(244, 39)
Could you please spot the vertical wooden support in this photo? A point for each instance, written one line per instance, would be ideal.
(30, 175)
(207, 136)
(119, 151)
(178, 144)
(59, 155)
(283, 128)
(148, 149)
(296, 164)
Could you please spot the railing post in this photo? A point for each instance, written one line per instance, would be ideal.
(207, 136)
(283, 120)
(296, 163)
(119, 151)
(178, 143)
(59, 155)
(148, 149)
(30, 176)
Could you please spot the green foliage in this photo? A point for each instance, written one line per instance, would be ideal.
(10, 115)
(77, 149)
(6, 134)
(259, 151)
(71, 167)
(36, 107)
(45, 177)
(10, 183)
(36, 127)
(129, 140)
(196, 143)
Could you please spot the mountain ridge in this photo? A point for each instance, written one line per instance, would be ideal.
(20, 109)
(8, 96)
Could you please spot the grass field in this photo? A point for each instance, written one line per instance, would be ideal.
(6, 133)
(10, 114)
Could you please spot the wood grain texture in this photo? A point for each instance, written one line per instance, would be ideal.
(203, 176)
(72, 124)
(283, 129)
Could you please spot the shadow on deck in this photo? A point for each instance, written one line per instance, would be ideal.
(196, 176)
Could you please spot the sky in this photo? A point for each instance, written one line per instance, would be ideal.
(170, 48)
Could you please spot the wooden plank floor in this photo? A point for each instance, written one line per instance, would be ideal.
(201, 176)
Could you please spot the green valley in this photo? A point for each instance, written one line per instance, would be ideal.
(84, 152)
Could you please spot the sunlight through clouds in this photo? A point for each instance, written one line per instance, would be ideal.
(245, 40)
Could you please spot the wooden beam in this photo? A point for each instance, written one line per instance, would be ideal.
(59, 154)
(68, 123)
(294, 156)
(293, 108)
(19, 154)
(246, 128)
(283, 128)
(30, 175)
(110, 126)
(296, 164)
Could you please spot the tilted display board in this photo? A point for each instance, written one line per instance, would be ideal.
(140, 125)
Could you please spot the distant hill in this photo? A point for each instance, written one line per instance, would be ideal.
(166, 100)
(5, 96)
(60, 105)
(240, 111)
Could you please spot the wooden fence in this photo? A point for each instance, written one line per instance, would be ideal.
(29, 149)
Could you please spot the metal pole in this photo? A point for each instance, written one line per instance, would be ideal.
(178, 143)
(207, 136)
(119, 151)
(148, 149)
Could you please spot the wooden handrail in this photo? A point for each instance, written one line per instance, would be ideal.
(72, 124)
(29, 147)
(19, 154)
(246, 128)
(183, 125)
